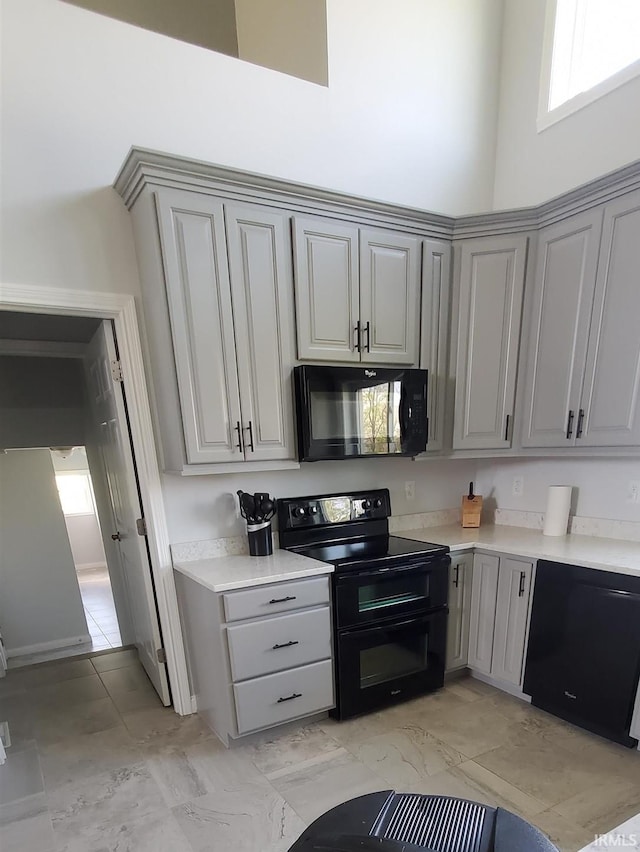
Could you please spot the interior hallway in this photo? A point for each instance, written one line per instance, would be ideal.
(99, 608)
(98, 764)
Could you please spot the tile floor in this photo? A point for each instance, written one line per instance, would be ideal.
(97, 764)
(99, 608)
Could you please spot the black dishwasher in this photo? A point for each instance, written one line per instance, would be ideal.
(583, 660)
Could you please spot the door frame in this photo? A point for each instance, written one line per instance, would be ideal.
(122, 310)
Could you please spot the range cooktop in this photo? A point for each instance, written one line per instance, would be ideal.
(374, 550)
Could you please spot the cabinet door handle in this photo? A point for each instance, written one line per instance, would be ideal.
(276, 647)
(249, 429)
(239, 431)
(580, 422)
(456, 581)
(523, 577)
(367, 331)
(289, 697)
(570, 424)
(506, 427)
(358, 342)
(282, 600)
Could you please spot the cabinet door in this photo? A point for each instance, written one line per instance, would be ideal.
(512, 612)
(389, 297)
(434, 334)
(484, 588)
(611, 394)
(559, 325)
(459, 611)
(491, 288)
(197, 283)
(327, 291)
(262, 291)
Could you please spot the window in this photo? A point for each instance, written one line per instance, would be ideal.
(76, 497)
(591, 47)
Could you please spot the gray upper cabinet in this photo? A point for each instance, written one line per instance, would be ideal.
(610, 410)
(389, 297)
(565, 274)
(199, 297)
(326, 266)
(262, 293)
(231, 326)
(357, 293)
(583, 367)
(434, 336)
(491, 283)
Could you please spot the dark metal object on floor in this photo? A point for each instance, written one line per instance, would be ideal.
(410, 822)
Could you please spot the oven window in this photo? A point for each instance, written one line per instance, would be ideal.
(391, 660)
(389, 593)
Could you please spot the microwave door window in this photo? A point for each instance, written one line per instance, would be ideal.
(379, 418)
(334, 419)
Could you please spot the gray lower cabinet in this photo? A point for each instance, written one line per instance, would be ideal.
(583, 367)
(490, 285)
(500, 606)
(434, 336)
(357, 293)
(460, 573)
(229, 289)
(258, 656)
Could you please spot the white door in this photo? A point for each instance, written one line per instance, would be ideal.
(109, 421)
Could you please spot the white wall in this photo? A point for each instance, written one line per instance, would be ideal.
(40, 601)
(600, 485)
(204, 507)
(409, 116)
(532, 167)
(42, 402)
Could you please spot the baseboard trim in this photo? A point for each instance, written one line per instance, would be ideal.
(40, 647)
(501, 684)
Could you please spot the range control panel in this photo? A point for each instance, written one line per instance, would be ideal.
(303, 512)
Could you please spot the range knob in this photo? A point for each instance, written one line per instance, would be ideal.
(298, 512)
(377, 503)
(313, 510)
(366, 504)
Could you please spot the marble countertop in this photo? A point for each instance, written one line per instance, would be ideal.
(226, 573)
(622, 557)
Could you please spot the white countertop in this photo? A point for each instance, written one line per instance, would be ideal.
(225, 573)
(621, 557)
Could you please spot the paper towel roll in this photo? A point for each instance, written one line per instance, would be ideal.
(556, 518)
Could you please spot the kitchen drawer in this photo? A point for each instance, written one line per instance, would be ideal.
(260, 647)
(266, 701)
(279, 597)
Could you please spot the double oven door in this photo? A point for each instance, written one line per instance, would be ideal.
(391, 628)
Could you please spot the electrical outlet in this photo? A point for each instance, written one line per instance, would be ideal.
(517, 489)
(410, 490)
(633, 491)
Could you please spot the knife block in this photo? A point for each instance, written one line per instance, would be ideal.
(471, 511)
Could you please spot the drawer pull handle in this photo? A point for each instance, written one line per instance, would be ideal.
(285, 645)
(289, 697)
(282, 600)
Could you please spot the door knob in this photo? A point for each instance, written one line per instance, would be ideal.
(116, 536)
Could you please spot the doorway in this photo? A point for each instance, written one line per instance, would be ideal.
(121, 309)
(77, 500)
(116, 593)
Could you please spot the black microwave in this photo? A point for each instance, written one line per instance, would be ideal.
(360, 412)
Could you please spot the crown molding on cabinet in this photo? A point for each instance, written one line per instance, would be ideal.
(143, 166)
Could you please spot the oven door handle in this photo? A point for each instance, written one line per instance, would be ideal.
(416, 568)
(392, 626)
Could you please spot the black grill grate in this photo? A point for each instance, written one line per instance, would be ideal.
(438, 823)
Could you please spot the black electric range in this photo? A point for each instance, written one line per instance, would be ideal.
(389, 596)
